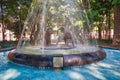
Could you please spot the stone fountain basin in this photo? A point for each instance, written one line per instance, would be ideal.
(71, 57)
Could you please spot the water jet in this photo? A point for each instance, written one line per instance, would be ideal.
(44, 44)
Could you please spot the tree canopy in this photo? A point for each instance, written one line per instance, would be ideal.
(100, 13)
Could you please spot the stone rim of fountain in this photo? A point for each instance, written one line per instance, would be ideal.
(47, 61)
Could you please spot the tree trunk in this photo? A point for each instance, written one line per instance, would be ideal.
(109, 25)
(116, 39)
(99, 33)
(100, 30)
(3, 30)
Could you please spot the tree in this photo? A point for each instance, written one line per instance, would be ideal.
(2, 13)
(116, 40)
(16, 11)
(98, 13)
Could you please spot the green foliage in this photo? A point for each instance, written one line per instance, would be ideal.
(101, 8)
(15, 14)
(98, 10)
(116, 2)
(102, 14)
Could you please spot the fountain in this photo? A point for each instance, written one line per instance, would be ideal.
(56, 34)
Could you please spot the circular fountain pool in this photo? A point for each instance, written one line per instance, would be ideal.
(53, 57)
(107, 69)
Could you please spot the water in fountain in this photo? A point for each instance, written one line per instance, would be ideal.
(56, 27)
